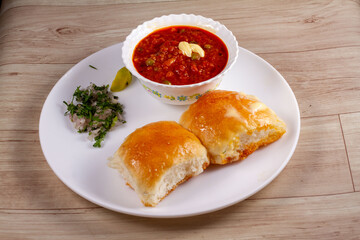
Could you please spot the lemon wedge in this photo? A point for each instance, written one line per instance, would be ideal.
(121, 81)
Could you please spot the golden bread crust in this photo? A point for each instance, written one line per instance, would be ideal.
(219, 117)
(151, 150)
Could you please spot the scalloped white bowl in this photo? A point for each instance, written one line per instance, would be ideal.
(179, 94)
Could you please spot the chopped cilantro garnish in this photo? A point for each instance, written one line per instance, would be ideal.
(93, 67)
(94, 110)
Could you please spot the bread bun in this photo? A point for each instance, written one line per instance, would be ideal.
(232, 125)
(154, 159)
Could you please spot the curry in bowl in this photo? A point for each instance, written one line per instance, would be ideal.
(180, 55)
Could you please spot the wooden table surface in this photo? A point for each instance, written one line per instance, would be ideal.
(315, 45)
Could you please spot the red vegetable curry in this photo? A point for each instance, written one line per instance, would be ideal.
(157, 57)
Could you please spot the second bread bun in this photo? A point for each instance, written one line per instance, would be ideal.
(232, 125)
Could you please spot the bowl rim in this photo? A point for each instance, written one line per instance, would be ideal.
(228, 65)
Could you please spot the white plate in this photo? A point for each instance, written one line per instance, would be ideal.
(84, 168)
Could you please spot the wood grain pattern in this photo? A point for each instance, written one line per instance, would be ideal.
(313, 25)
(330, 217)
(320, 36)
(320, 84)
(24, 88)
(314, 170)
(314, 44)
(351, 127)
(21, 3)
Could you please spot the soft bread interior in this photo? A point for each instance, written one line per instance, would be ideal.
(168, 182)
(172, 178)
(116, 163)
(244, 144)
